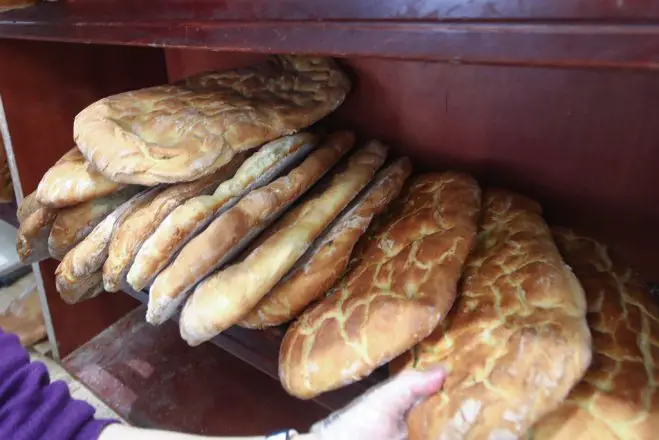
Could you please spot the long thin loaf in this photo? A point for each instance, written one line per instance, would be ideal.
(515, 343)
(137, 227)
(326, 261)
(225, 297)
(74, 223)
(204, 253)
(406, 276)
(617, 398)
(85, 261)
(195, 214)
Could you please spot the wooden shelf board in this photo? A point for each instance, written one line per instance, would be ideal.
(151, 378)
(260, 348)
(540, 40)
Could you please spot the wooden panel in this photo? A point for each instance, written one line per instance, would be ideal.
(584, 143)
(513, 33)
(43, 86)
(400, 10)
(153, 379)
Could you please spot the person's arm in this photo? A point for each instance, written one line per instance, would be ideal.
(31, 407)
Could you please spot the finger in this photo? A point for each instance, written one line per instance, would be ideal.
(402, 391)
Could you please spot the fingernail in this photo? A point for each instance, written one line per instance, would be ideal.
(431, 381)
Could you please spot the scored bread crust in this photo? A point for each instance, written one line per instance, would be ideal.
(225, 297)
(193, 215)
(33, 232)
(71, 181)
(181, 132)
(73, 224)
(86, 259)
(201, 255)
(617, 397)
(137, 227)
(405, 276)
(326, 261)
(516, 341)
(28, 205)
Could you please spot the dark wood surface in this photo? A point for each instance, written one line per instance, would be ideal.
(582, 142)
(586, 33)
(260, 349)
(153, 379)
(43, 86)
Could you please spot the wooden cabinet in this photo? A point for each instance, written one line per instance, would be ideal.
(558, 100)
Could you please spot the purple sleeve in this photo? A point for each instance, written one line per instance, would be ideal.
(32, 408)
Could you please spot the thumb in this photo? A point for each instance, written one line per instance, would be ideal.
(405, 389)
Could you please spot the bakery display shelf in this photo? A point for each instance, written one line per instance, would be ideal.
(586, 34)
(152, 378)
(260, 348)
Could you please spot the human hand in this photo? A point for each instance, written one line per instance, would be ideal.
(380, 413)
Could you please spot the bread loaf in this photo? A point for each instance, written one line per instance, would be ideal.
(6, 184)
(181, 132)
(208, 250)
(195, 214)
(28, 205)
(402, 286)
(326, 261)
(84, 262)
(129, 237)
(617, 398)
(71, 181)
(82, 289)
(33, 232)
(223, 298)
(73, 224)
(515, 343)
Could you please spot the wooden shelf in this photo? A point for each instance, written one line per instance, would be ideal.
(586, 33)
(153, 379)
(261, 350)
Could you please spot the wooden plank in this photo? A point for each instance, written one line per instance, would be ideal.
(539, 41)
(260, 349)
(349, 10)
(153, 379)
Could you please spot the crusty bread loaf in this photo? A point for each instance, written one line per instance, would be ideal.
(74, 275)
(137, 227)
(33, 232)
(6, 184)
(617, 398)
(207, 251)
(223, 298)
(71, 181)
(28, 205)
(195, 214)
(327, 259)
(516, 341)
(181, 132)
(84, 288)
(74, 223)
(402, 286)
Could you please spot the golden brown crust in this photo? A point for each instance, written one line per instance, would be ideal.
(201, 255)
(326, 261)
(516, 341)
(33, 232)
(77, 273)
(137, 227)
(192, 216)
(28, 205)
(8, 5)
(6, 185)
(225, 297)
(406, 274)
(73, 224)
(617, 398)
(181, 132)
(71, 181)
